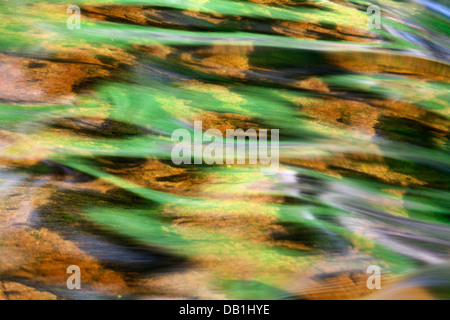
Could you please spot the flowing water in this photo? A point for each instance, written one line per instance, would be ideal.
(86, 176)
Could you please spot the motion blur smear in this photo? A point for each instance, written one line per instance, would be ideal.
(86, 177)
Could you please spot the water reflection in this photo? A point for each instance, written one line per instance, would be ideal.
(86, 176)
